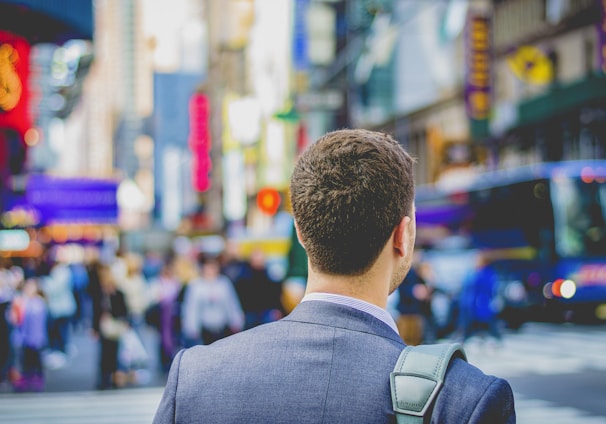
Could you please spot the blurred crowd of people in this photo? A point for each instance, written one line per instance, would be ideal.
(188, 299)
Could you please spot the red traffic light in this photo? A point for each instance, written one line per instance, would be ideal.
(268, 200)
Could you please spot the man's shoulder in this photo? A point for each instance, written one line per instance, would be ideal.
(470, 395)
(250, 337)
(461, 373)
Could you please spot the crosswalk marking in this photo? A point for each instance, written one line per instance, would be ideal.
(534, 411)
(536, 351)
(128, 406)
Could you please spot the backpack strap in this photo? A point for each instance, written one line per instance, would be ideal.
(417, 379)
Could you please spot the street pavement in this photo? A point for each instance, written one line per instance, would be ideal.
(557, 371)
(557, 374)
(124, 406)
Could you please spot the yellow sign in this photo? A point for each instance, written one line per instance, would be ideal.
(531, 65)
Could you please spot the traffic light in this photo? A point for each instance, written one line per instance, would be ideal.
(268, 200)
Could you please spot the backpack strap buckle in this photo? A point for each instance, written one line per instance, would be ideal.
(418, 377)
(412, 393)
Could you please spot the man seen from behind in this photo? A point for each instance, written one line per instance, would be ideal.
(329, 360)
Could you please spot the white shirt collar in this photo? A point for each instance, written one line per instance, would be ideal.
(361, 305)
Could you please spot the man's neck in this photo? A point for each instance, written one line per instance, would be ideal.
(372, 286)
(366, 287)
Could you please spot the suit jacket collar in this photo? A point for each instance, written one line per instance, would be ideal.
(341, 316)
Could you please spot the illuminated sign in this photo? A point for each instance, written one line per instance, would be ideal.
(478, 67)
(10, 83)
(72, 200)
(14, 71)
(199, 141)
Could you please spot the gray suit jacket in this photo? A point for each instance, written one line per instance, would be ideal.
(323, 363)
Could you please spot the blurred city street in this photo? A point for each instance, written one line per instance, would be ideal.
(144, 143)
(557, 373)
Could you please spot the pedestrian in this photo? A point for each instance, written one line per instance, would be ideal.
(232, 263)
(163, 313)
(128, 274)
(430, 330)
(58, 291)
(330, 359)
(29, 315)
(136, 289)
(110, 321)
(80, 286)
(211, 309)
(413, 296)
(260, 296)
(9, 281)
(153, 262)
(479, 302)
(186, 270)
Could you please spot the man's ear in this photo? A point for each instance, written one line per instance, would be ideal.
(299, 235)
(400, 242)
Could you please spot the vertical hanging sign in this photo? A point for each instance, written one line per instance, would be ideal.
(601, 27)
(199, 141)
(478, 75)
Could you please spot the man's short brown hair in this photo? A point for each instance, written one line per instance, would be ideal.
(348, 191)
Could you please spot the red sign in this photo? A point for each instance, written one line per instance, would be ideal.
(14, 73)
(199, 141)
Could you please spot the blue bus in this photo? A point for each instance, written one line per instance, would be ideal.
(544, 227)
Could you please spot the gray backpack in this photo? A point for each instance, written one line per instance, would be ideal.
(417, 379)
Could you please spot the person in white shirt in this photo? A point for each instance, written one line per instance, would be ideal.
(211, 309)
